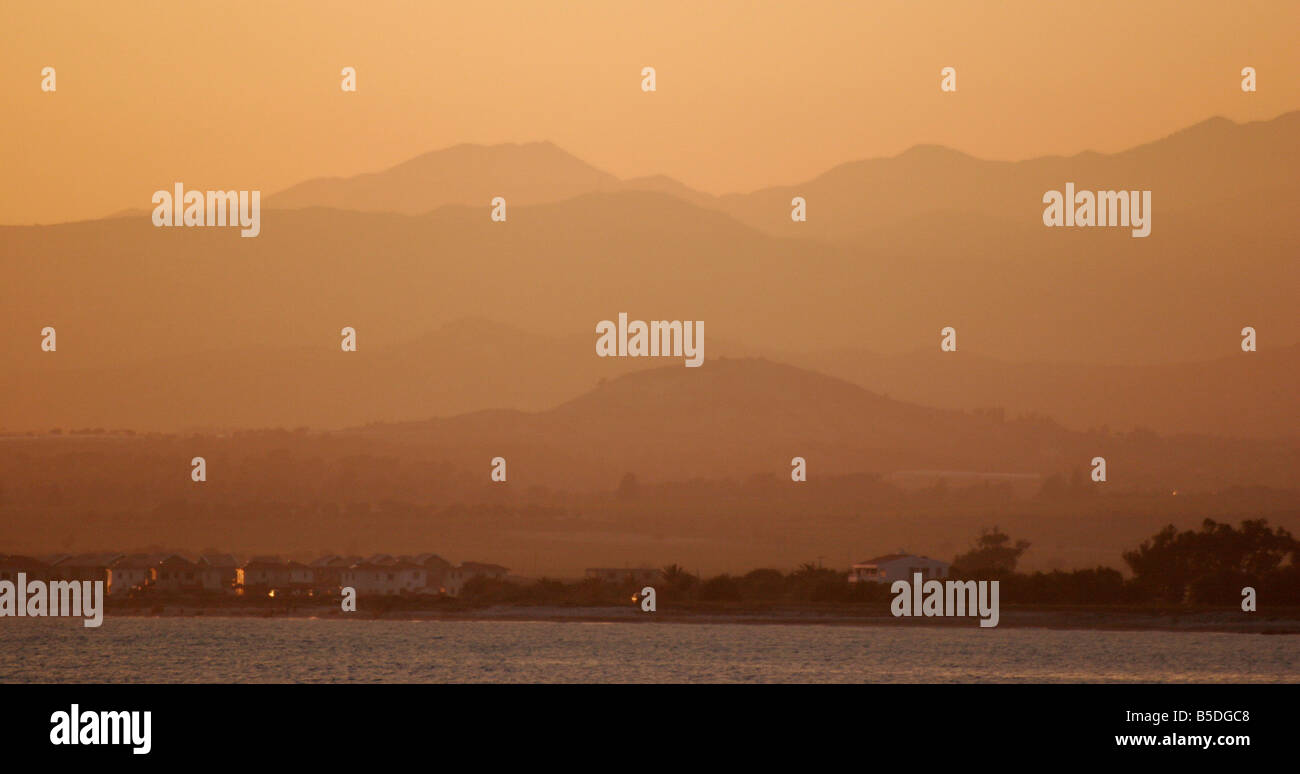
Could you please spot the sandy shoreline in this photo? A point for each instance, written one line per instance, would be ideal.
(1046, 618)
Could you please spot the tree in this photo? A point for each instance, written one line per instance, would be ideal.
(677, 578)
(993, 552)
(1212, 565)
(763, 584)
(723, 588)
(815, 583)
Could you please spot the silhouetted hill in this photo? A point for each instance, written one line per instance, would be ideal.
(122, 290)
(1196, 167)
(474, 364)
(122, 293)
(470, 175)
(1244, 394)
(1013, 289)
(466, 365)
(187, 327)
(709, 451)
(1210, 161)
(740, 417)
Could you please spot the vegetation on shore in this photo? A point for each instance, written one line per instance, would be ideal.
(1172, 572)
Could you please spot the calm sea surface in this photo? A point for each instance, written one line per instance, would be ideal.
(304, 650)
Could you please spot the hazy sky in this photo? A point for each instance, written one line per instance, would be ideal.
(246, 94)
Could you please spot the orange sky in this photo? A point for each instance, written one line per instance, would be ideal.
(246, 94)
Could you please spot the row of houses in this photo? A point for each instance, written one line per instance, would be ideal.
(376, 575)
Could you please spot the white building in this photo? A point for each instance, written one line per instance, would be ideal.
(900, 566)
(218, 572)
(132, 573)
(386, 579)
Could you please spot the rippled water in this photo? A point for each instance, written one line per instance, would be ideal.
(304, 650)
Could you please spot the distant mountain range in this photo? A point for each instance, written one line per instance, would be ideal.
(1198, 168)
(121, 290)
(1245, 396)
(738, 417)
(472, 175)
(475, 364)
(170, 328)
(710, 449)
(467, 365)
(1203, 165)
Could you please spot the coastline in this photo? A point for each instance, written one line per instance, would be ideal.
(1097, 619)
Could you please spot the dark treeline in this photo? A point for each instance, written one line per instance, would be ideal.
(1210, 566)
